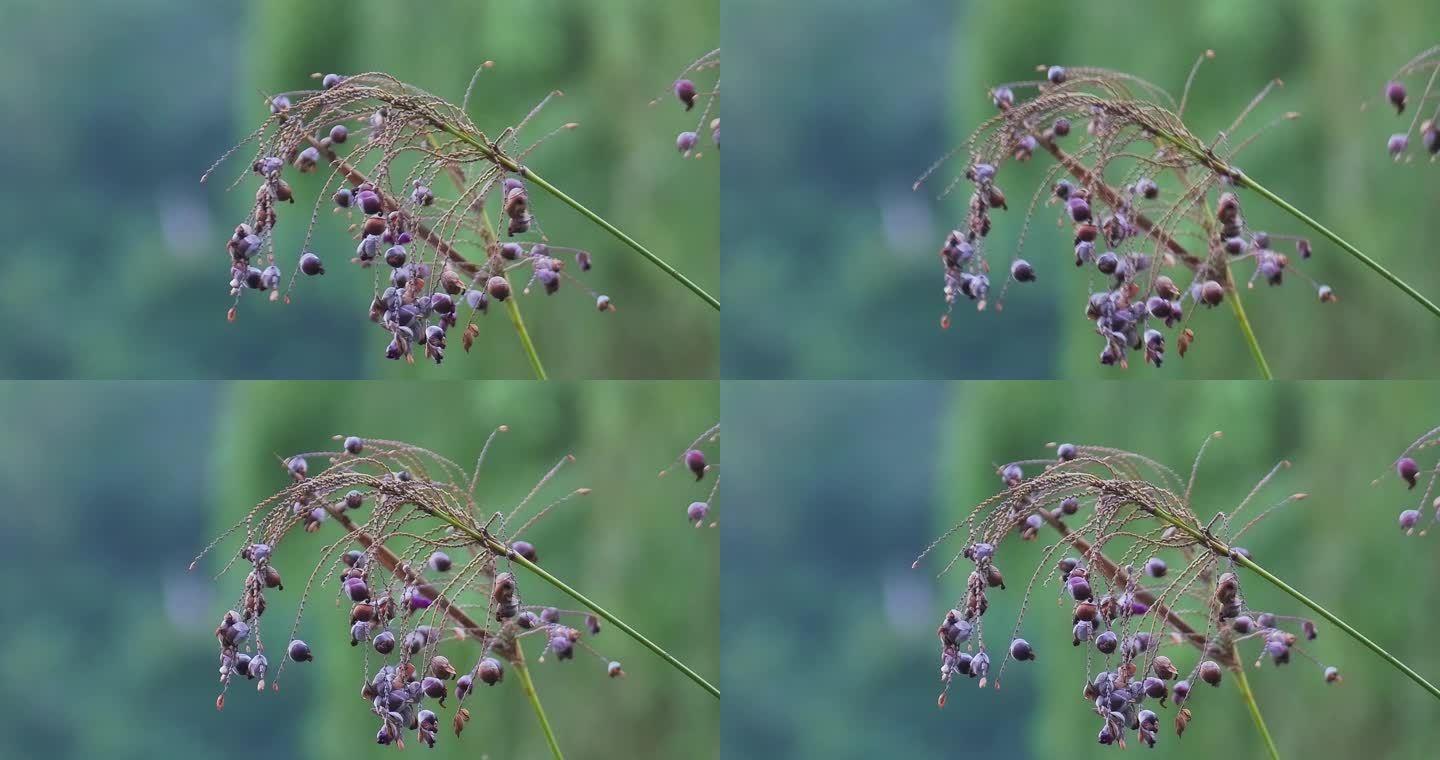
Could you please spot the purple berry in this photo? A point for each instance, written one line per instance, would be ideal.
(490, 671)
(685, 91)
(1395, 93)
(1155, 568)
(1056, 75)
(1408, 470)
(299, 651)
(498, 288)
(1022, 271)
(526, 550)
(1079, 588)
(1210, 672)
(1107, 642)
(685, 142)
(344, 197)
(384, 642)
(310, 264)
(696, 512)
(1020, 649)
(1079, 209)
(1397, 144)
(1002, 97)
(354, 445)
(440, 562)
(339, 134)
(695, 462)
(1066, 452)
(1409, 519)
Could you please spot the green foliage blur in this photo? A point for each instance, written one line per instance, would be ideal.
(113, 488)
(845, 483)
(831, 260)
(116, 266)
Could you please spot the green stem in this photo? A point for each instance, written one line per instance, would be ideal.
(509, 164)
(1243, 684)
(1249, 332)
(512, 304)
(512, 307)
(1209, 542)
(1241, 179)
(1244, 180)
(499, 548)
(534, 696)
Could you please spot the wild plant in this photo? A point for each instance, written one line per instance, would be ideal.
(439, 249)
(695, 462)
(1398, 96)
(708, 98)
(1155, 210)
(1411, 472)
(1160, 610)
(422, 569)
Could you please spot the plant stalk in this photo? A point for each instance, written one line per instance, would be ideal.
(524, 671)
(1243, 180)
(509, 164)
(497, 547)
(1216, 547)
(1249, 331)
(512, 304)
(1243, 684)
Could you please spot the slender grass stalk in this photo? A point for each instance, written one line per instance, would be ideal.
(1243, 684)
(1243, 180)
(513, 309)
(487, 235)
(1215, 546)
(524, 671)
(1249, 332)
(499, 548)
(492, 154)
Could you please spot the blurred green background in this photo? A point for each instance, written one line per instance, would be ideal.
(828, 636)
(830, 258)
(113, 110)
(113, 488)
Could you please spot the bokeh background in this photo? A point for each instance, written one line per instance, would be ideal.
(830, 258)
(113, 488)
(828, 635)
(115, 262)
